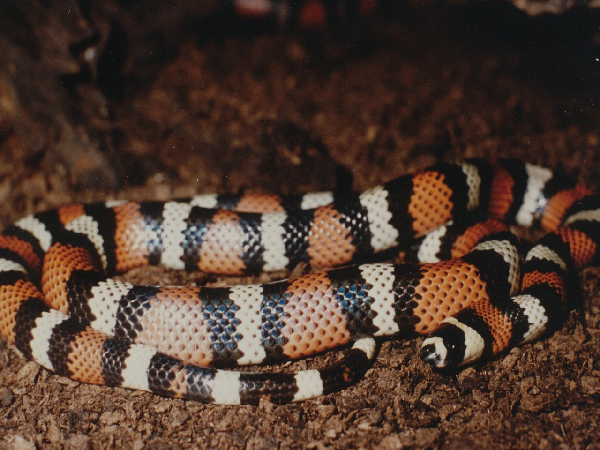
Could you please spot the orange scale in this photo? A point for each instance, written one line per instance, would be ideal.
(453, 289)
(330, 315)
(68, 213)
(441, 279)
(312, 326)
(292, 329)
(302, 305)
(470, 280)
(342, 337)
(336, 320)
(328, 293)
(290, 332)
(181, 347)
(306, 349)
(299, 320)
(309, 335)
(302, 329)
(294, 320)
(311, 289)
(320, 308)
(463, 268)
(314, 302)
(320, 319)
(306, 297)
(436, 320)
(301, 291)
(427, 281)
(319, 293)
(294, 314)
(325, 294)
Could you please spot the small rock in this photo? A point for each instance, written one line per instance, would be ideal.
(6, 397)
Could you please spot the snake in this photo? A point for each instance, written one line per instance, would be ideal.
(467, 284)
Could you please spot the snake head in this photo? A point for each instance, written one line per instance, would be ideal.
(452, 344)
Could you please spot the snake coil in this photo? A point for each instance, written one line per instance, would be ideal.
(470, 293)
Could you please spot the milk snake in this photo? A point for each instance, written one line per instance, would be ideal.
(472, 295)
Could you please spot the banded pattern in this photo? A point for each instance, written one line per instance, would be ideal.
(468, 290)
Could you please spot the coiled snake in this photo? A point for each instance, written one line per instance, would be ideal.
(470, 293)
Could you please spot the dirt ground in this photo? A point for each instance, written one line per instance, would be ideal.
(294, 111)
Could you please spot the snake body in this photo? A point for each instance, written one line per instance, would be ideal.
(471, 294)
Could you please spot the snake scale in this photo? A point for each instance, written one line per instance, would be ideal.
(470, 291)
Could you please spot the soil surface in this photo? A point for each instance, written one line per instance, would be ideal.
(240, 109)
